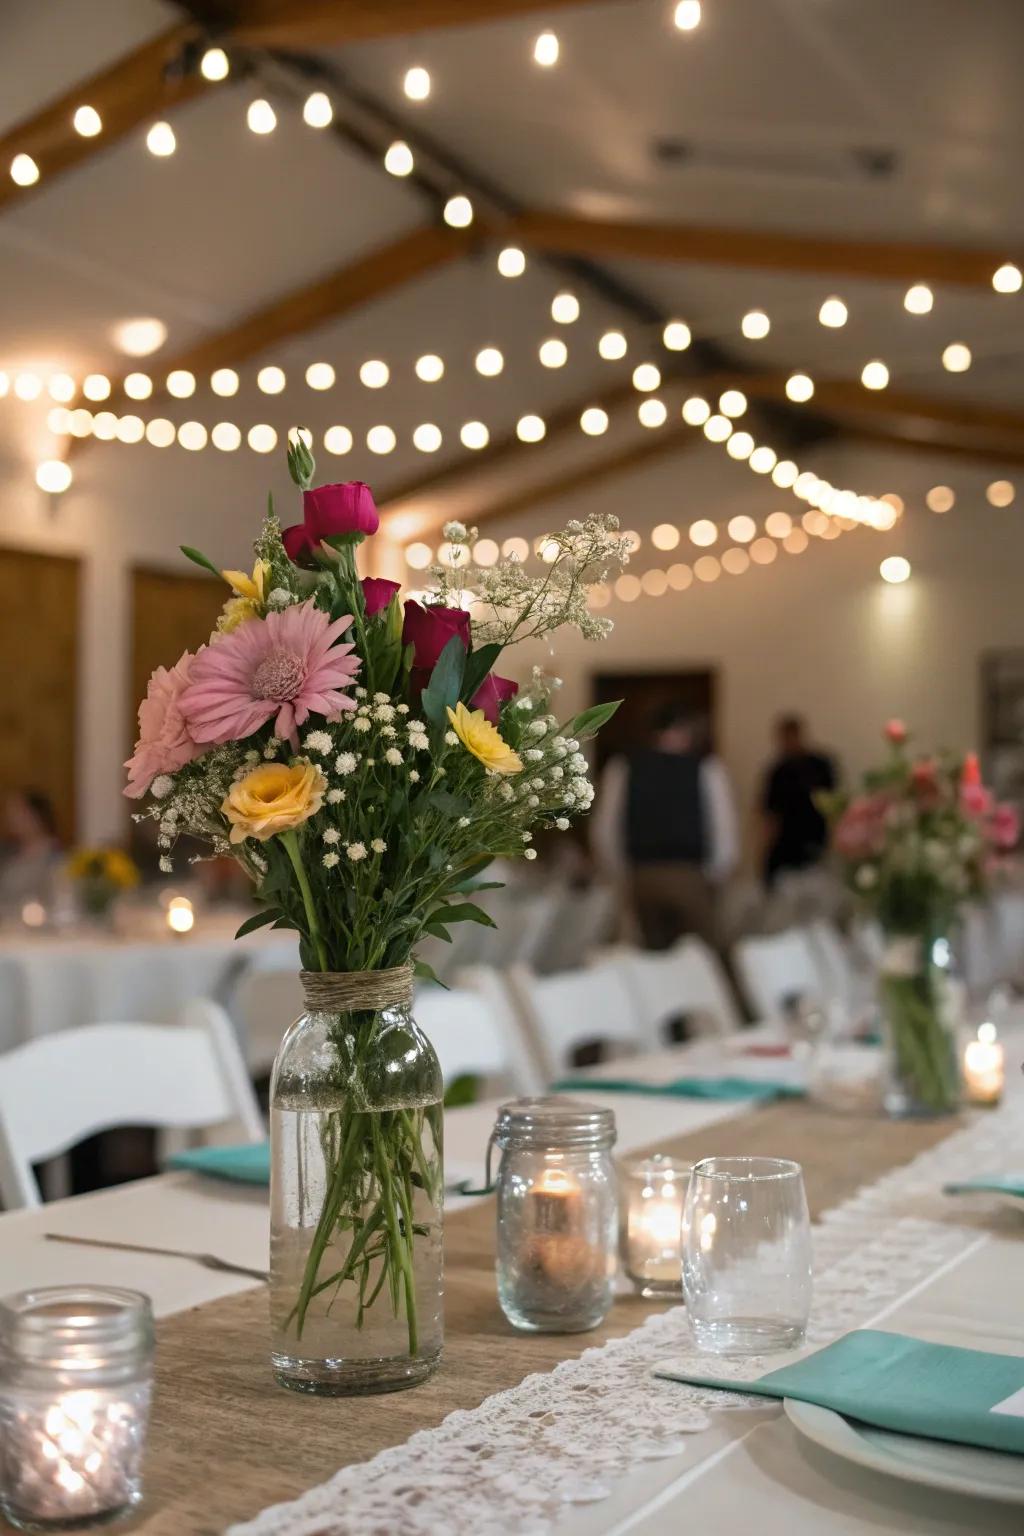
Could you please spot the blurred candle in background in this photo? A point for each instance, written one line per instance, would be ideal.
(654, 1189)
(984, 1067)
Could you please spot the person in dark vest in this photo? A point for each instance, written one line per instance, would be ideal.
(665, 827)
(795, 833)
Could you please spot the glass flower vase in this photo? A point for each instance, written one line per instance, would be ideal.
(356, 1191)
(921, 1003)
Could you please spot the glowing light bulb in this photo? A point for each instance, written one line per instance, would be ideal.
(594, 421)
(138, 338)
(755, 325)
(1007, 278)
(224, 381)
(95, 386)
(261, 116)
(696, 411)
(530, 429)
(427, 437)
(874, 375)
(764, 551)
(192, 435)
(652, 413)
(703, 532)
(60, 386)
(429, 368)
(717, 429)
(732, 403)
(318, 110)
(489, 361)
(687, 15)
(546, 50)
(181, 384)
(416, 83)
(130, 429)
(214, 65)
(53, 476)
(894, 569)
(646, 377)
(941, 498)
(740, 445)
(511, 261)
(87, 122)
(799, 387)
(918, 300)
(160, 140)
(956, 358)
(320, 376)
(398, 160)
(833, 313)
(628, 588)
(374, 373)
(1000, 493)
(160, 432)
(138, 386)
(784, 474)
(58, 420)
(458, 212)
(104, 426)
(778, 524)
(735, 561)
(24, 171)
(553, 353)
(271, 380)
(665, 536)
(612, 346)
(763, 459)
(381, 439)
(418, 556)
(28, 386)
(565, 308)
(261, 438)
(474, 435)
(338, 440)
(742, 529)
(677, 336)
(516, 549)
(226, 436)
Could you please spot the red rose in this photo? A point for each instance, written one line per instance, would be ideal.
(896, 732)
(328, 511)
(1005, 828)
(377, 593)
(492, 693)
(428, 630)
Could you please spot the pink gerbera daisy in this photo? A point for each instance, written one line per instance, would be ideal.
(287, 665)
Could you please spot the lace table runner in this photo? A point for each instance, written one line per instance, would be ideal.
(565, 1436)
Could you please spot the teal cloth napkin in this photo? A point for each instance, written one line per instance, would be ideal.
(893, 1382)
(248, 1163)
(989, 1183)
(757, 1090)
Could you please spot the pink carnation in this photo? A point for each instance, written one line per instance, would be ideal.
(287, 665)
(1005, 827)
(860, 832)
(165, 741)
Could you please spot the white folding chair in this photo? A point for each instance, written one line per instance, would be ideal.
(575, 1009)
(981, 955)
(58, 1089)
(583, 924)
(777, 969)
(475, 1032)
(841, 978)
(1009, 908)
(686, 981)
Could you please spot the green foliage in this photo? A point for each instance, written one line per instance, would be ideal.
(479, 663)
(590, 721)
(301, 463)
(442, 692)
(198, 558)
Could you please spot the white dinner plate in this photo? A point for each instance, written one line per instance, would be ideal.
(995, 1475)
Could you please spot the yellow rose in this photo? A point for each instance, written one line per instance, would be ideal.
(480, 737)
(249, 599)
(273, 799)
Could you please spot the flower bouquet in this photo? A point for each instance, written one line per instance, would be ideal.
(98, 877)
(361, 758)
(917, 842)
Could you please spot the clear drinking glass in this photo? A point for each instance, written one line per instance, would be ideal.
(747, 1255)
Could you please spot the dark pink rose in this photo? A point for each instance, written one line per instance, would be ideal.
(428, 630)
(975, 800)
(896, 732)
(492, 693)
(377, 593)
(1005, 827)
(327, 512)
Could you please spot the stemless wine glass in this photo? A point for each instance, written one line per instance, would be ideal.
(747, 1255)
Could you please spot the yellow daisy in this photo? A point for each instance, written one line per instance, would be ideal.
(480, 737)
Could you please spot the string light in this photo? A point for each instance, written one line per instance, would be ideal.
(181, 384)
(320, 376)
(338, 440)
(956, 358)
(628, 588)
(262, 438)
(894, 569)
(740, 445)
(696, 411)
(271, 380)
(192, 435)
(1000, 493)
(646, 377)
(940, 498)
(652, 413)
(511, 261)
(160, 432)
(918, 300)
(138, 338)
(718, 429)
(224, 381)
(553, 353)
(381, 439)
(707, 568)
(874, 375)
(784, 474)
(742, 529)
(261, 117)
(546, 50)
(833, 313)
(53, 476)
(160, 140)
(703, 532)
(398, 160)
(429, 368)
(594, 421)
(416, 83)
(489, 361)
(687, 15)
(60, 386)
(318, 110)
(763, 460)
(764, 551)
(419, 556)
(374, 373)
(612, 346)
(214, 65)
(427, 437)
(665, 536)
(799, 387)
(677, 336)
(680, 577)
(138, 386)
(130, 429)
(735, 561)
(1007, 278)
(565, 308)
(104, 426)
(226, 436)
(515, 549)
(95, 386)
(530, 429)
(778, 524)
(28, 386)
(474, 435)
(58, 419)
(654, 583)
(732, 403)
(24, 171)
(795, 542)
(755, 325)
(458, 212)
(87, 122)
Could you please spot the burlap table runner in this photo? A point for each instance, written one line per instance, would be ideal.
(225, 1442)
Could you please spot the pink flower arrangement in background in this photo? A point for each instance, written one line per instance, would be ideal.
(165, 741)
(286, 665)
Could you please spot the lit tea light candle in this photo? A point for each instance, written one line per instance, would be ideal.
(75, 1367)
(654, 1191)
(984, 1067)
(180, 916)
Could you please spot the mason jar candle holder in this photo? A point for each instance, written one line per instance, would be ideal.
(75, 1375)
(557, 1214)
(653, 1194)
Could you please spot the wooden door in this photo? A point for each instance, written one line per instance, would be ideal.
(642, 695)
(39, 611)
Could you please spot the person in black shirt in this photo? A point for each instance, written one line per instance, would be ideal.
(796, 835)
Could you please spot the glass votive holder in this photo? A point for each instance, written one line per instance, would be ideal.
(653, 1191)
(75, 1374)
(557, 1214)
(984, 1068)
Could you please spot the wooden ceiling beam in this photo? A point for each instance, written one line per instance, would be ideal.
(333, 23)
(759, 250)
(913, 440)
(133, 91)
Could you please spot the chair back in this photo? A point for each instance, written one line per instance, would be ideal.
(475, 1032)
(777, 969)
(685, 982)
(574, 1009)
(59, 1089)
(584, 922)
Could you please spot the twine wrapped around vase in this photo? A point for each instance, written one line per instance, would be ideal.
(346, 991)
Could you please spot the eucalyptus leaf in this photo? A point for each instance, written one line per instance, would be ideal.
(478, 665)
(442, 692)
(438, 932)
(258, 920)
(463, 912)
(591, 720)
